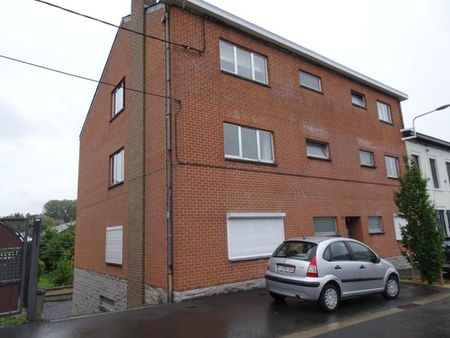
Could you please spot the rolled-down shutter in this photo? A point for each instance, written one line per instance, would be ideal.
(254, 235)
(114, 245)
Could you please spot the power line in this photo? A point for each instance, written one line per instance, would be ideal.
(121, 27)
(84, 77)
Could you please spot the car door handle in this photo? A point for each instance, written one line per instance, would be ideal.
(362, 267)
(337, 267)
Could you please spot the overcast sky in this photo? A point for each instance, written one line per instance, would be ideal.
(404, 44)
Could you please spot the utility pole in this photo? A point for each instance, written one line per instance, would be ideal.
(34, 270)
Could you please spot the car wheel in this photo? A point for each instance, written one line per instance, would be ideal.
(277, 297)
(392, 288)
(329, 298)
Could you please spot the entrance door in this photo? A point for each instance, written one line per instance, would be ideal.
(354, 228)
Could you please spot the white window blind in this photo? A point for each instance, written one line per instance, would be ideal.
(392, 168)
(384, 112)
(114, 245)
(254, 235)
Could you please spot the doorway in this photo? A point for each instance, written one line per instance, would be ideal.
(354, 228)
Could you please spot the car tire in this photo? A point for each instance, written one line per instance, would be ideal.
(277, 297)
(329, 298)
(392, 287)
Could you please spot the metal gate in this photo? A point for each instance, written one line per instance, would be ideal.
(11, 264)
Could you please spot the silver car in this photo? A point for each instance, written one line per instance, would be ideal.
(326, 270)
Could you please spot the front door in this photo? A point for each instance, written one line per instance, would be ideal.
(354, 228)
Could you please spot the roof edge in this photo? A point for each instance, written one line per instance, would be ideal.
(246, 26)
(426, 139)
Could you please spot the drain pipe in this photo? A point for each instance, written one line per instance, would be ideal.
(168, 118)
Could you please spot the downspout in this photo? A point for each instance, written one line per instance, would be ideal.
(168, 124)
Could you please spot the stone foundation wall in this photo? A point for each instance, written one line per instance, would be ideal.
(93, 291)
(219, 289)
(400, 262)
(154, 296)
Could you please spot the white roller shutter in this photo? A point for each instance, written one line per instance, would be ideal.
(114, 244)
(254, 235)
(399, 223)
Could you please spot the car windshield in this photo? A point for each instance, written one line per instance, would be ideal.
(296, 250)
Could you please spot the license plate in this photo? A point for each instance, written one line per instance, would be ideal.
(285, 268)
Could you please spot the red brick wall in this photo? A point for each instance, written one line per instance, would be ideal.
(98, 206)
(207, 186)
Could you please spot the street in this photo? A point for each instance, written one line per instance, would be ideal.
(253, 314)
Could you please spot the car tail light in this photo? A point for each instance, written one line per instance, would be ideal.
(312, 269)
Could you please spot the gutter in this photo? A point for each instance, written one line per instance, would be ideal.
(168, 125)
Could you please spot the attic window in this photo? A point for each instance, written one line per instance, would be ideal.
(118, 99)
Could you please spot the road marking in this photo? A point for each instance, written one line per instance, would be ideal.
(360, 319)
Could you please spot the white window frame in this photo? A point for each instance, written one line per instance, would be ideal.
(435, 184)
(353, 93)
(371, 156)
(388, 166)
(253, 78)
(231, 236)
(312, 75)
(376, 231)
(240, 156)
(326, 145)
(117, 167)
(326, 233)
(380, 115)
(115, 258)
(399, 223)
(119, 89)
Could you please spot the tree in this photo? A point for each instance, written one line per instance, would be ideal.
(420, 237)
(61, 209)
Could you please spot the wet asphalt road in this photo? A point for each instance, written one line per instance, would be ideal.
(247, 314)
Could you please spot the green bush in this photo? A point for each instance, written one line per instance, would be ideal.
(63, 273)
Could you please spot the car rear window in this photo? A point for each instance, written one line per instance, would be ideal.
(304, 251)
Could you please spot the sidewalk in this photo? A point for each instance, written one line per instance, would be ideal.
(243, 314)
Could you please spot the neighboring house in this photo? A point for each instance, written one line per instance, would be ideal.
(267, 141)
(63, 227)
(432, 157)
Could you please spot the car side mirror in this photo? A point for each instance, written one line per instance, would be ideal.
(376, 260)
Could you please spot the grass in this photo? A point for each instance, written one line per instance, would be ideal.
(13, 320)
(45, 282)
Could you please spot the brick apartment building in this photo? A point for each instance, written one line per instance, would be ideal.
(242, 139)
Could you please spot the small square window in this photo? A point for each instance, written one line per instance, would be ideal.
(325, 226)
(384, 112)
(366, 158)
(316, 149)
(310, 81)
(117, 162)
(375, 224)
(358, 99)
(118, 99)
(392, 167)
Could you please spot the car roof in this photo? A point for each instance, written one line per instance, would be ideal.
(314, 239)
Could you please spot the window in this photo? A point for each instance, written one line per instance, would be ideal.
(337, 251)
(117, 167)
(310, 81)
(244, 63)
(434, 173)
(317, 150)
(118, 99)
(254, 235)
(448, 172)
(375, 224)
(303, 251)
(392, 168)
(384, 112)
(399, 223)
(247, 143)
(416, 161)
(325, 226)
(361, 252)
(366, 158)
(114, 245)
(441, 222)
(358, 99)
